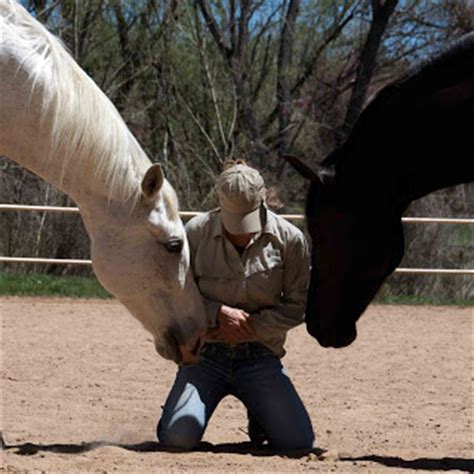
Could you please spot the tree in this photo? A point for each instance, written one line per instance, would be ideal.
(200, 82)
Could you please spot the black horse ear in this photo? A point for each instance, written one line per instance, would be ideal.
(327, 174)
(315, 176)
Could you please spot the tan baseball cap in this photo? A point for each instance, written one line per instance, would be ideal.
(241, 193)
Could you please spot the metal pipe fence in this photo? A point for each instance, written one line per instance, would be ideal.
(295, 217)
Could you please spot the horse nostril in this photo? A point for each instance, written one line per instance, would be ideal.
(190, 353)
(183, 350)
(169, 348)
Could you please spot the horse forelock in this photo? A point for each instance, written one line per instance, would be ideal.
(86, 131)
(170, 201)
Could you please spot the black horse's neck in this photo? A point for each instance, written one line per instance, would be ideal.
(416, 136)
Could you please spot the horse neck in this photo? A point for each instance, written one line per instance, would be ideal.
(74, 175)
(85, 165)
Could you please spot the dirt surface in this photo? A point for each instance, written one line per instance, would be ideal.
(82, 390)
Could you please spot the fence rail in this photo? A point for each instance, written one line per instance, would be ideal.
(295, 217)
(75, 210)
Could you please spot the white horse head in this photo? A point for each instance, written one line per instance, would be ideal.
(57, 123)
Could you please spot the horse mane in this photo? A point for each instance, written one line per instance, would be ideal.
(426, 78)
(86, 127)
(438, 70)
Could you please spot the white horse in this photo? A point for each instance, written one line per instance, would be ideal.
(57, 123)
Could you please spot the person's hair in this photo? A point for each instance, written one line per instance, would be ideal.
(272, 199)
(229, 163)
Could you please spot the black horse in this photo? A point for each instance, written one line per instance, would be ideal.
(415, 137)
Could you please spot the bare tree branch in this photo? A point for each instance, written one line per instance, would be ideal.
(283, 77)
(380, 17)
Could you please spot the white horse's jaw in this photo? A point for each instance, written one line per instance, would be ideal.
(176, 338)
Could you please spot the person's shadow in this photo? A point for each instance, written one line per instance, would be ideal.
(317, 454)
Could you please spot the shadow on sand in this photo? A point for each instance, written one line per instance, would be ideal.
(27, 449)
(426, 464)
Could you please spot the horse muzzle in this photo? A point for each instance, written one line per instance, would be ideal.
(335, 336)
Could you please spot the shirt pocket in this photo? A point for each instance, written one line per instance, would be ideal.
(218, 288)
(265, 279)
(213, 274)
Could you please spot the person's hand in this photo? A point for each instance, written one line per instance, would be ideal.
(232, 325)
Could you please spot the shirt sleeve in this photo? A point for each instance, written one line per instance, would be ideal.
(194, 235)
(274, 322)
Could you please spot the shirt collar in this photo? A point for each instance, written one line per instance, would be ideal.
(271, 226)
(216, 230)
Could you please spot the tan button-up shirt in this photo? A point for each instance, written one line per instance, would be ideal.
(269, 280)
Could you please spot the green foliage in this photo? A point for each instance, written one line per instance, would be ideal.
(390, 295)
(464, 235)
(35, 284)
(421, 300)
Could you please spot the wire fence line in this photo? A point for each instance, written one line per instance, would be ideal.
(75, 210)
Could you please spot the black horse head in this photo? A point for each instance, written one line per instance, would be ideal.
(415, 137)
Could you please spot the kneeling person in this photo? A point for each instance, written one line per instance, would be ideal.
(252, 269)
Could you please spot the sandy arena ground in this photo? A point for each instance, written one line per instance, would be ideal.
(82, 390)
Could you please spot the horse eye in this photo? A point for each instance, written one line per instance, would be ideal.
(174, 246)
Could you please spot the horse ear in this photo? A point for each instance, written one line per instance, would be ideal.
(302, 168)
(327, 174)
(152, 181)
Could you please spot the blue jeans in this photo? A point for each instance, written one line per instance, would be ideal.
(254, 375)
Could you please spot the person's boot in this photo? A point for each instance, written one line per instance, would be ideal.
(256, 433)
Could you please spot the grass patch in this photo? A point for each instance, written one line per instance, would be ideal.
(36, 284)
(426, 300)
(421, 300)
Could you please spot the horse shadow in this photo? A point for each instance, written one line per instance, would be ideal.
(244, 448)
